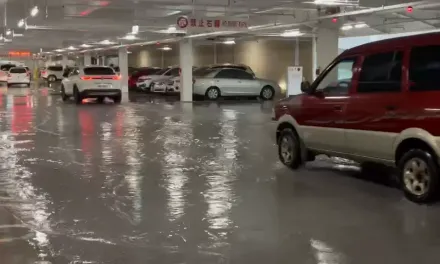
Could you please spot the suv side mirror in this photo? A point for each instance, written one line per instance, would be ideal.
(305, 87)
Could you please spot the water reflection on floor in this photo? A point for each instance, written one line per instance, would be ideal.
(156, 181)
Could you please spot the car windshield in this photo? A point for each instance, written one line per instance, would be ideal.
(17, 70)
(99, 71)
(161, 72)
(6, 67)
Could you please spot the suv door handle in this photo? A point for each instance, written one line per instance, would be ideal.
(390, 107)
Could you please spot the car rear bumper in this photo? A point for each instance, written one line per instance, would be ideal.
(100, 92)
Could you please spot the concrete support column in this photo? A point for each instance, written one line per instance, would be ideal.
(87, 59)
(102, 61)
(326, 46)
(123, 66)
(297, 52)
(64, 61)
(186, 65)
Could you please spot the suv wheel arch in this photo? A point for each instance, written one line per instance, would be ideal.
(283, 125)
(412, 143)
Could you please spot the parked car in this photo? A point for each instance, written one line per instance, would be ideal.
(145, 82)
(53, 73)
(386, 112)
(173, 85)
(18, 75)
(136, 73)
(232, 82)
(92, 82)
(169, 85)
(4, 71)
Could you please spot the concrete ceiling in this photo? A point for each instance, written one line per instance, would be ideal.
(63, 23)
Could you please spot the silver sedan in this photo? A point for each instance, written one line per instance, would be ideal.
(233, 82)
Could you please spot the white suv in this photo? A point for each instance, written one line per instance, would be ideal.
(53, 73)
(19, 75)
(92, 82)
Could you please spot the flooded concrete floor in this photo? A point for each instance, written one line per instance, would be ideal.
(155, 181)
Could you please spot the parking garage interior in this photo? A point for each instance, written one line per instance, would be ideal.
(175, 178)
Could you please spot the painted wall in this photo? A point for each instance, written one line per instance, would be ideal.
(268, 58)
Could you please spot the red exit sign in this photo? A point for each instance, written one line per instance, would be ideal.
(19, 53)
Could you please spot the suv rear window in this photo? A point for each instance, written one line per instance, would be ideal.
(99, 71)
(6, 67)
(424, 68)
(17, 70)
(55, 68)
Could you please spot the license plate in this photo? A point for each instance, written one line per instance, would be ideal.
(103, 85)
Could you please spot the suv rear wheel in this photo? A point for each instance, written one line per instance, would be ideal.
(64, 96)
(117, 99)
(419, 175)
(77, 96)
(289, 150)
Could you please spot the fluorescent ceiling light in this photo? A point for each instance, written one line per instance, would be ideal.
(347, 27)
(20, 23)
(106, 42)
(8, 32)
(85, 46)
(336, 2)
(229, 42)
(167, 48)
(292, 33)
(1, 37)
(171, 29)
(361, 25)
(71, 48)
(135, 29)
(17, 34)
(34, 11)
(59, 50)
(130, 37)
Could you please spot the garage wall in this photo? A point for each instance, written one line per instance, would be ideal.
(268, 58)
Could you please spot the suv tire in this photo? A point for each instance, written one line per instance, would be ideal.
(289, 150)
(64, 96)
(77, 96)
(117, 99)
(419, 176)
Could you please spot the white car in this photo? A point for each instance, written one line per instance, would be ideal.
(92, 82)
(216, 83)
(4, 71)
(145, 82)
(173, 85)
(18, 75)
(159, 86)
(53, 73)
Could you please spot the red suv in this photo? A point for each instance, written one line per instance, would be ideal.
(379, 103)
